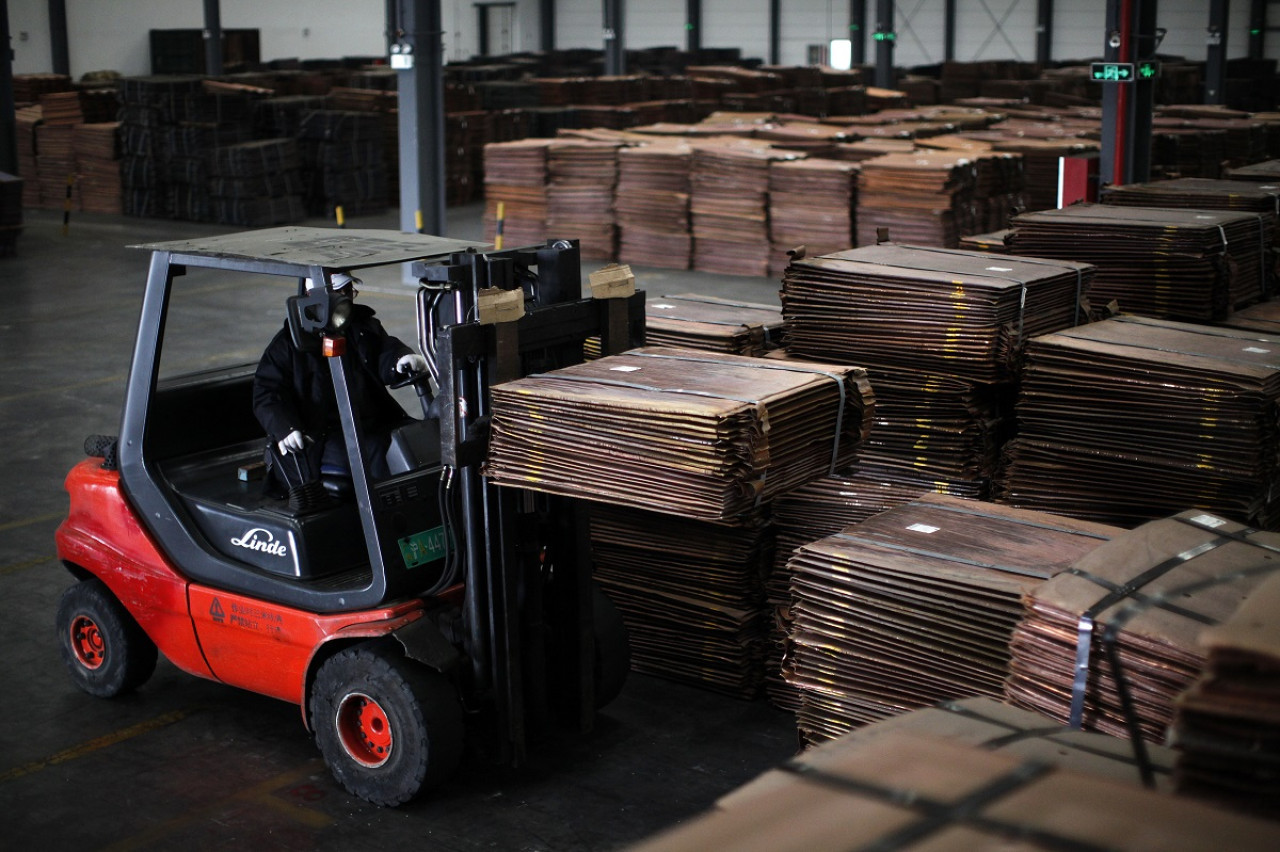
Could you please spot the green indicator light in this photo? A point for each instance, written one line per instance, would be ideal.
(1255, 32)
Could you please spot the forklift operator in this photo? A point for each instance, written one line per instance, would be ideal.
(293, 396)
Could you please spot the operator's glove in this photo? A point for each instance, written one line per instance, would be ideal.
(292, 443)
(411, 364)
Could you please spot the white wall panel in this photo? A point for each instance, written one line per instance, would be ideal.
(29, 32)
(806, 23)
(655, 23)
(920, 25)
(996, 29)
(1079, 29)
(579, 23)
(743, 24)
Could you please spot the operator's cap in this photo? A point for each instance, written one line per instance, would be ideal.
(337, 281)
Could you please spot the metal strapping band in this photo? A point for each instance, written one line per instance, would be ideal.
(786, 368)
(938, 815)
(1118, 593)
(1047, 733)
(946, 557)
(1084, 631)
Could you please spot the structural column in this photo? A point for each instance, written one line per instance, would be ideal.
(615, 51)
(212, 37)
(417, 53)
(1215, 72)
(59, 54)
(858, 31)
(1044, 31)
(8, 123)
(693, 26)
(885, 38)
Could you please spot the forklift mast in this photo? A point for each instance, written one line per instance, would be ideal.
(528, 591)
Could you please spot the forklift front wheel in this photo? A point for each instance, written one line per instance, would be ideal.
(104, 649)
(388, 727)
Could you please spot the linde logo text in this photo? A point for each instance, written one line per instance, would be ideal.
(262, 540)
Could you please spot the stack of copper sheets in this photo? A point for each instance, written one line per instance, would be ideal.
(26, 120)
(938, 429)
(652, 204)
(816, 510)
(1160, 262)
(999, 180)
(730, 187)
(938, 311)
(917, 605)
(910, 791)
(679, 431)
(97, 153)
(1142, 601)
(923, 197)
(1040, 164)
(1263, 317)
(1264, 172)
(690, 592)
(57, 165)
(992, 725)
(1131, 419)
(1227, 726)
(1199, 193)
(692, 321)
(811, 204)
(582, 175)
(515, 176)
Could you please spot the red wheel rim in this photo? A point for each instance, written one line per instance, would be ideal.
(87, 642)
(364, 730)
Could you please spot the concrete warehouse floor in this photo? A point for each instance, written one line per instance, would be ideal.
(192, 764)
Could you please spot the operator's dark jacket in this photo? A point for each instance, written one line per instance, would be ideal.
(294, 390)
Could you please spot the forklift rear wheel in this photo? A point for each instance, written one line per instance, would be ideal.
(388, 727)
(105, 650)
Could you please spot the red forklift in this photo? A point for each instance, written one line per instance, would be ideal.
(405, 615)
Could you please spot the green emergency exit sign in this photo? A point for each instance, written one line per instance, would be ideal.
(1111, 72)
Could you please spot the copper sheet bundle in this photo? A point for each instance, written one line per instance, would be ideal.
(690, 592)
(917, 605)
(1146, 417)
(257, 184)
(1263, 317)
(582, 176)
(693, 321)
(29, 88)
(910, 791)
(730, 183)
(678, 431)
(1160, 262)
(813, 511)
(97, 153)
(938, 429)
(1267, 171)
(1227, 726)
(992, 725)
(1180, 149)
(811, 204)
(1040, 164)
(82, 106)
(27, 119)
(936, 311)
(1121, 628)
(56, 165)
(652, 204)
(515, 177)
(923, 197)
(280, 117)
(1200, 193)
(345, 154)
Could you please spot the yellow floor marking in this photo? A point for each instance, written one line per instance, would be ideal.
(96, 744)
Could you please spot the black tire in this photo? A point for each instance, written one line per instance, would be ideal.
(104, 649)
(388, 728)
(613, 648)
